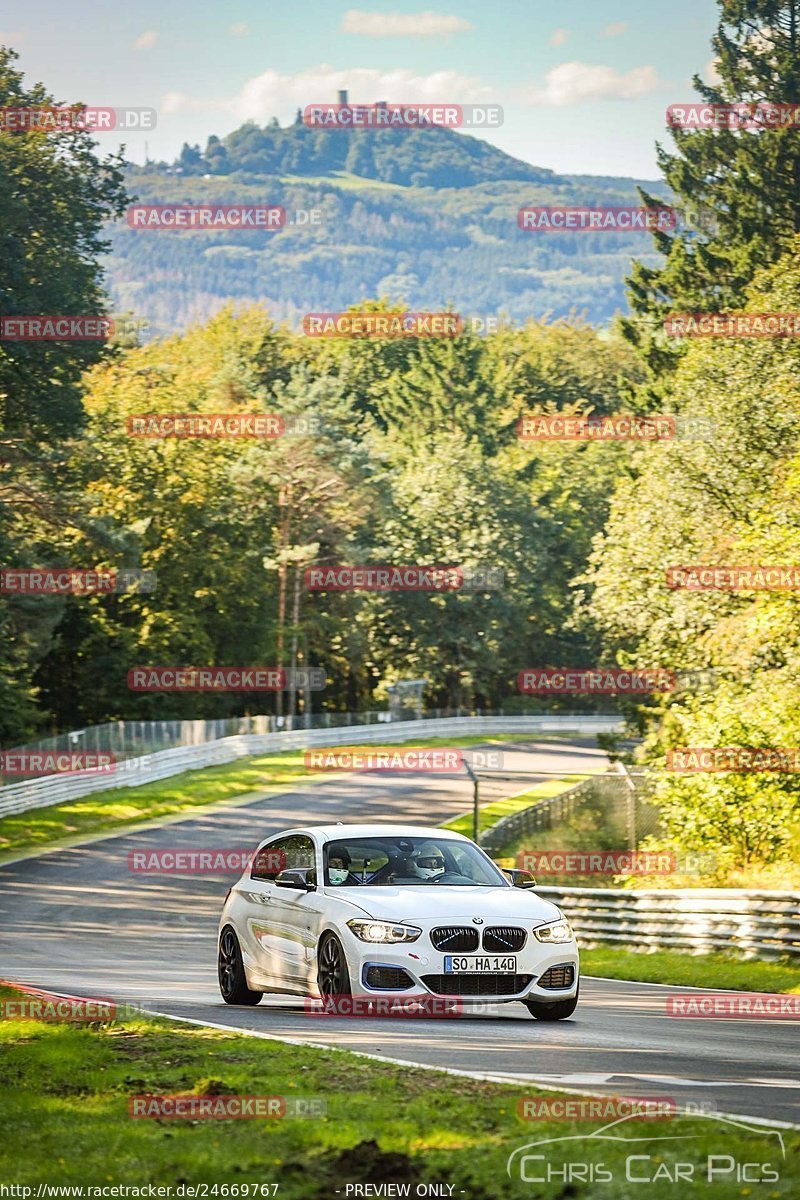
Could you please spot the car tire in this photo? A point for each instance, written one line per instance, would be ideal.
(230, 971)
(333, 978)
(558, 1011)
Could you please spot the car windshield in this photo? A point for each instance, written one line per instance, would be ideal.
(408, 862)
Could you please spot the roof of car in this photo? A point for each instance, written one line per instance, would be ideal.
(332, 832)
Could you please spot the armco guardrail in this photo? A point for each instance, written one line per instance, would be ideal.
(752, 924)
(55, 789)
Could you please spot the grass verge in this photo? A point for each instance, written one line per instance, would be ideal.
(118, 808)
(490, 814)
(65, 1119)
(718, 971)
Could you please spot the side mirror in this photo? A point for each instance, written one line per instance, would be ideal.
(521, 879)
(301, 879)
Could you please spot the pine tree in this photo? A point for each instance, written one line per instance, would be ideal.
(746, 180)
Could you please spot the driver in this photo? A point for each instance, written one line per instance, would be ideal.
(339, 867)
(428, 864)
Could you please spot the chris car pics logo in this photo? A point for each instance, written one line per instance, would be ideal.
(732, 1152)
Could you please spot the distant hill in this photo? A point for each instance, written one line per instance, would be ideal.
(426, 216)
(428, 157)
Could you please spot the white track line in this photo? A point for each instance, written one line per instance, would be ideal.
(483, 1076)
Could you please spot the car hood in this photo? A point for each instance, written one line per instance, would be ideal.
(432, 903)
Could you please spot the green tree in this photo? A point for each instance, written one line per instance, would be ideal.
(56, 195)
(725, 495)
(746, 182)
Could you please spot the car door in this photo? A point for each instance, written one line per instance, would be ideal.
(262, 929)
(296, 917)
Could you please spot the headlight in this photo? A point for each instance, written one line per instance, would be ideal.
(559, 931)
(383, 931)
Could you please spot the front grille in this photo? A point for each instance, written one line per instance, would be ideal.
(454, 939)
(476, 985)
(560, 976)
(504, 939)
(393, 979)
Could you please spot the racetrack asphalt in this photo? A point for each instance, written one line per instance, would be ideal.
(78, 921)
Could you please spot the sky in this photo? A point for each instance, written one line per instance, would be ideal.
(583, 84)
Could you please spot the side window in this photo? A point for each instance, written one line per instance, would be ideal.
(282, 855)
(299, 852)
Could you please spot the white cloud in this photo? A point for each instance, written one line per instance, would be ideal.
(711, 74)
(273, 94)
(145, 40)
(574, 82)
(13, 38)
(395, 24)
(615, 28)
(238, 29)
(558, 37)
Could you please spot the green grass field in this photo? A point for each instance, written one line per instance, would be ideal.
(64, 1113)
(718, 971)
(345, 180)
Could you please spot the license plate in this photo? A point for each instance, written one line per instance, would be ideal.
(478, 964)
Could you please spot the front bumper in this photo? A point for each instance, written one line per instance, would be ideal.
(424, 966)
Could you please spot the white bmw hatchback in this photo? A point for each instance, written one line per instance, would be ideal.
(390, 910)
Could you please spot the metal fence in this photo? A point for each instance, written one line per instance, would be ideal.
(133, 739)
(620, 796)
(131, 772)
(751, 924)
